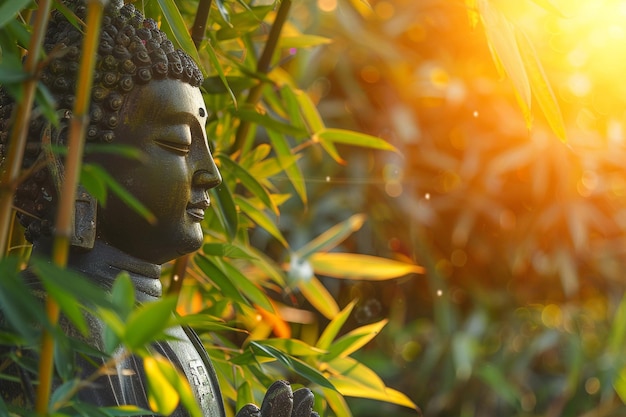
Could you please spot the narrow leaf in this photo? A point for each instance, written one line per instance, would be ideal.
(162, 396)
(303, 41)
(246, 286)
(261, 219)
(149, 322)
(351, 388)
(540, 85)
(219, 278)
(226, 209)
(293, 347)
(349, 137)
(179, 28)
(354, 340)
(332, 237)
(319, 297)
(286, 162)
(501, 36)
(310, 112)
(360, 267)
(292, 363)
(332, 330)
(253, 116)
(248, 181)
(10, 9)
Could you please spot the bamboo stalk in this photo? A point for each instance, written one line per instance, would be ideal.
(17, 142)
(63, 225)
(263, 67)
(199, 24)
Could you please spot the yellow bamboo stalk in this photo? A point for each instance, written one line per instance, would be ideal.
(73, 162)
(17, 142)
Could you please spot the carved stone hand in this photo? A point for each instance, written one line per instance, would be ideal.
(280, 401)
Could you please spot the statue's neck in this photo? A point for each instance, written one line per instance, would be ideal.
(103, 264)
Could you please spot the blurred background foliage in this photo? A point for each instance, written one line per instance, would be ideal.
(507, 187)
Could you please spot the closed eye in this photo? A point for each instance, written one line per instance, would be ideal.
(178, 148)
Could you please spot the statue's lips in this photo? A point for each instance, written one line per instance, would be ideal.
(196, 210)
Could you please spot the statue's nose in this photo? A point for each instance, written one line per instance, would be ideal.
(207, 178)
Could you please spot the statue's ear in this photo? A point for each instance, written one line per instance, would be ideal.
(84, 213)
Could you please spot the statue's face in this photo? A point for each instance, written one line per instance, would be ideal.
(165, 119)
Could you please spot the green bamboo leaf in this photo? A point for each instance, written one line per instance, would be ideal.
(319, 297)
(179, 29)
(293, 347)
(226, 209)
(219, 278)
(352, 388)
(248, 181)
(261, 219)
(330, 149)
(148, 322)
(21, 309)
(253, 116)
(287, 163)
(246, 286)
(290, 97)
(292, 363)
(227, 250)
(352, 369)
(309, 111)
(58, 399)
(332, 237)
(332, 330)
(542, 91)
(303, 41)
(10, 9)
(337, 402)
(217, 65)
(123, 295)
(360, 267)
(349, 137)
(354, 340)
(244, 395)
(501, 37)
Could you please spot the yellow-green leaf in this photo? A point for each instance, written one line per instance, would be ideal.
(293, 347)
(162, 397)
(303, 41)
(501, 37)
(332, 237)
(336, 402)
(309, 112)
(261, 219)
(286, 161)
(349, 137)
(319, 297)
(540, 85)
(332, 330)
(354, 340)
(179, 29)
(352, 388)
(351, 368)
(360, 267)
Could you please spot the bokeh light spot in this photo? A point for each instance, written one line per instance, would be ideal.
(384, 10)
(552, 316)
(327, 5)
(579, 84)
(508, 220)
(370, 74)
(592, 385)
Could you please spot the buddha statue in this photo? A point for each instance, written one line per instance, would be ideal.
(146, 94)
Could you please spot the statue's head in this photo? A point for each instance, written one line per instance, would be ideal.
(146, 94)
